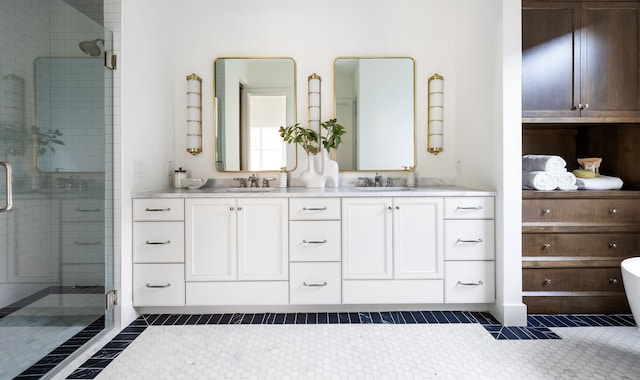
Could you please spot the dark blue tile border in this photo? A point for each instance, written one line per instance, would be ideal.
(538, 326)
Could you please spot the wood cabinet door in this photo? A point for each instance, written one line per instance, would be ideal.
(418, 232)
(210, 239)
(550, 59)
(610, 79)
(263, 242)
(366, 238)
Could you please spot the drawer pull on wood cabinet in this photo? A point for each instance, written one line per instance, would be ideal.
(470, 283)
(314, 208)
(158, 286)
(546, 211)
(546, 246)
(314, 241)
(613, 245)
(547, 281)
(469, 241)
(157, 209)
(613, 211)
(314, 285)
(158, 242)
(613, 281)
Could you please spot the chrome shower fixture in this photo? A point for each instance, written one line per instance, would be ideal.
(92, 48)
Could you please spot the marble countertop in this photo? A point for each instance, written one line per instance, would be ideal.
(289, 192)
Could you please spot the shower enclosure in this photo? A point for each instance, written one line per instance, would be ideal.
(56, 225)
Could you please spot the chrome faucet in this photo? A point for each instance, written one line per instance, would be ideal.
(253, 180)
(377, 180)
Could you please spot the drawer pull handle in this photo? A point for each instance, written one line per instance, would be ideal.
(472, 208)
(314, 208)
(86, 243)
(87, 209)
(158, 286)
(547, 281)
(613, 211)
(613, 281)
(546, 211)
(157, 209)
(314, 285)
(469, 241)
(471, 283)
(314, 241)
(546, 246)
(158, 242)
(613, 245)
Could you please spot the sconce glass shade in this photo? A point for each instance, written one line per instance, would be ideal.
(314, 102)
(435, 114)
(194, 114)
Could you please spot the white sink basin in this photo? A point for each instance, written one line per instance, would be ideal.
(244, 190)
(386, 188)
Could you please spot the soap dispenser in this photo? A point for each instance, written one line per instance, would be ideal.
(179, 175)
(283, 177)
(411, 178)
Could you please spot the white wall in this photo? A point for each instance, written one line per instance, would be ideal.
(473, 44)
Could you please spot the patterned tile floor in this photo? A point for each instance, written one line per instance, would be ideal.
(394, 345)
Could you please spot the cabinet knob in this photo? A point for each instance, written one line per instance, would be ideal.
(239, 208)
(613, 281)
(613, 245)
(546, 211)
(390, 208)
(547, 281)
(397, 207)
(231, 208)
(613, 211)
(546, 246)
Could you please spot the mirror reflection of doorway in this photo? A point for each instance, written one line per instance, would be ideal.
(266, 112)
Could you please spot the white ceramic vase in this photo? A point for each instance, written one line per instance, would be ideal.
(321, 172)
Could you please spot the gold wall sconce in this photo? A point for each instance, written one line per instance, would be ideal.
(314, 102)
(194, 114)
(435, 114)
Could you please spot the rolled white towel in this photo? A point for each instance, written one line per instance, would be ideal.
(542, 162)
(565, 180)
(539, 180)
(602, 182)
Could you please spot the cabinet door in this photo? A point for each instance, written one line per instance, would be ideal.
(366, 238)
(263, 239)
(418, 231)
(610, 78)
(550, 59)
(210, 239)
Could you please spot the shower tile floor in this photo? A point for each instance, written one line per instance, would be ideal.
(241, 347)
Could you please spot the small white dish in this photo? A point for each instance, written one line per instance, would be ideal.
(193, 183)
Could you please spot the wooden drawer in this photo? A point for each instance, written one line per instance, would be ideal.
(314, 208)
(315, 283)
(561, 303)
(158, 242)
(315, 240)
(469, 282)
(576, 244)
(572, 279)
(158, 285)
(81, 210)
(469, 240)
(468, 208)
(158, 209)
(581, 210)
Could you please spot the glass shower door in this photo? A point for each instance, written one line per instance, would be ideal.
(56, 249)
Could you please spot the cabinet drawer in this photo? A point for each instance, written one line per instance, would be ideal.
(158, 242)
(237, 293)
(469, 282)
(158, 209)
(314, 208)
(314, 283)
(576, 244)
(392, 291)
(468, 208)
(315, 240)
(469, 240)
(80, 210)
(82, 242)
(158, 285)
(572, 279)
(581, 210)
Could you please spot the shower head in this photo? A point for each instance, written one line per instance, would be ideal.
(92, 48)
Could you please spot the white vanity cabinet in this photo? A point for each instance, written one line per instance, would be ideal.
(236, 251)
(314, 251)
(158, 252)
(469, 250)
(392, 249)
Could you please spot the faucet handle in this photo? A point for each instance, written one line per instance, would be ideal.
(390, 181)
(265, 181)
(243, 181)
(368, 182)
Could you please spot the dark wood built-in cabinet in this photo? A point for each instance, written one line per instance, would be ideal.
(580, 61)
(581, 98)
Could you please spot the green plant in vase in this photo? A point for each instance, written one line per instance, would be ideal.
(312, 141)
